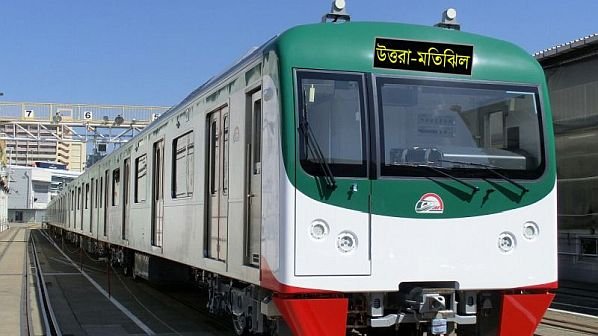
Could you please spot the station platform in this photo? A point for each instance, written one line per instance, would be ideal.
(15, 312)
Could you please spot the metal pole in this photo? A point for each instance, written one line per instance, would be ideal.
(81, 252)
(109, 274)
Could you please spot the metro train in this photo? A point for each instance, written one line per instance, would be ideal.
(344, 178)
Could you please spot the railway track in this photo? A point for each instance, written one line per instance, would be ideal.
(49, 266)
(161, 312)
(577, 297)
(565, 323)
(50, 323)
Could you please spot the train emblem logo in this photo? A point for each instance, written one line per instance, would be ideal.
(429, 203)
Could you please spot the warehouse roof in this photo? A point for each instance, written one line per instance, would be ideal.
(562, 49)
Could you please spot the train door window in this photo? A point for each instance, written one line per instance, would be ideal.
(81, 205)
(253, 172)
(73, 213)
(86, 196)
(157, 193)
(101, 190)
(213, 154)
(106, 193)
(257, 133)
(182, 166)
(225, 154)
(93, 190)
(126, 187)
(96, 194)
(140, 174)
(71, 204)
(115, 186)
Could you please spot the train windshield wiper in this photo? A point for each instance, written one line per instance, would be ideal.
(439, 171)
(490, 169)
(311, 143)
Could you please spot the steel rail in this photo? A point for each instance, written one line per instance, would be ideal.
(50, 322)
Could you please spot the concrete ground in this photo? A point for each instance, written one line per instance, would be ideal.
(15, 312)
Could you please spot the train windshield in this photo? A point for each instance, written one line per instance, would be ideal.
(332, 128)
(473, 130)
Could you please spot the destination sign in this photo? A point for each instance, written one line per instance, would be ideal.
(423, 56)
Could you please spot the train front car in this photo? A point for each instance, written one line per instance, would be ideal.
(416, 183)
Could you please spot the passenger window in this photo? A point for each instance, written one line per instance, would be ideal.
(115, 186)
(182, 166)
(140, 174)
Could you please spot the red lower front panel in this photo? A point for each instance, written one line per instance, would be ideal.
(319, 316)
(521, 313)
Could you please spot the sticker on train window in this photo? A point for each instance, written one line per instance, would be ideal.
(423, 56)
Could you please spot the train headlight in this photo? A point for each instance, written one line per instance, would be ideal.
(346, 242)
(318, 229)
(451, 14)
(339, 4)
(530, 230)
(506, 242)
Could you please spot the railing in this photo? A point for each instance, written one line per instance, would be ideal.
(83, 113)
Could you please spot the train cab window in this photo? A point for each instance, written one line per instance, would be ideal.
(115, 186)
(332, 119)
(140, 178)
(182, 166)
(471, 129)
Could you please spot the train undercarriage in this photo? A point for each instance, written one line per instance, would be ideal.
(415, 309)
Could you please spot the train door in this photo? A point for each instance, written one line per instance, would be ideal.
(217, 191)
(125, 208)
(332, 229)
(254, 179)
(157, 193)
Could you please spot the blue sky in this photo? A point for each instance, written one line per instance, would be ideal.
(155, 52)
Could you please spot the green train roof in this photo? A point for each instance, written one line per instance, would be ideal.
(350, 46)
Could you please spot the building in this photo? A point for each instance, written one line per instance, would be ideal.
(3, 188)
(31, 189)
(572, 74)
(64, 133)
(22, 150)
